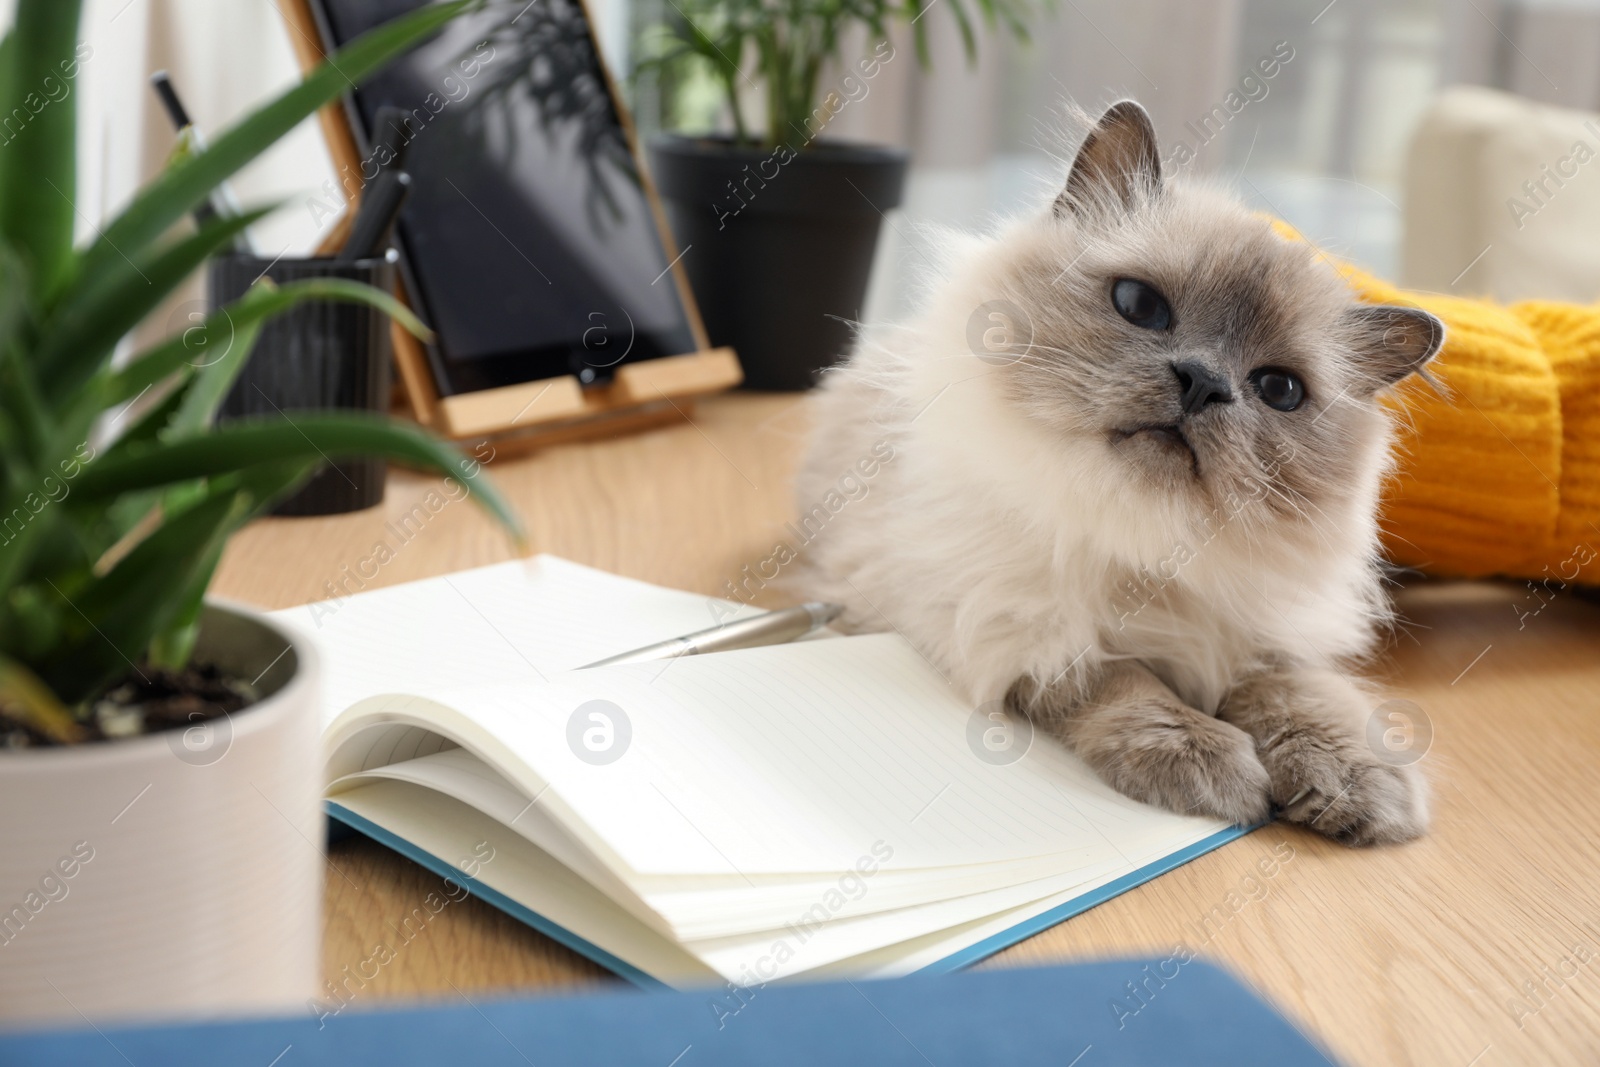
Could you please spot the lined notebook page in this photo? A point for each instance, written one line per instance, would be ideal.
(519, 622)
(804, 757)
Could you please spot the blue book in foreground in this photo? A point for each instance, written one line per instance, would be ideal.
(1120, 1012)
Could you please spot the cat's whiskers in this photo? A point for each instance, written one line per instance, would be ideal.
(1295, 495)
(1323, 533)
(1053, 350)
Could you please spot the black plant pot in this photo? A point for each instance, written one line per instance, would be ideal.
(779, 244)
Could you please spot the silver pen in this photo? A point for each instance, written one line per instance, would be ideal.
(771, 628)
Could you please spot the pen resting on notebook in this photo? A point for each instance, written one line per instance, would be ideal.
(773, 628)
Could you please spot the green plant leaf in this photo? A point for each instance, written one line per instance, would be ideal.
(303, 435)
(969, 40)
(171, 648)
(19, 393)
(105, 560)
(38, 169)
(113, 618)
(153, 421)
(191, 404)
(919, 33)
(262, 486)
(81, 335)
(178, 190)
(110, 521)
(793, 40)
(22, 532)
(209, 385)
(29, 622)
(8, 51)
(1012, 13)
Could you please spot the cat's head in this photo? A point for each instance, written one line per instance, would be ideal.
(1210, 358)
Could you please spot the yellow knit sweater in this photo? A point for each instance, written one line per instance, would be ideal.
(1501, 475)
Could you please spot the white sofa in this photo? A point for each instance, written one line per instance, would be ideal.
(1502, 199)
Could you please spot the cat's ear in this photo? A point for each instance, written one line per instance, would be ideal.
(1118, 162)
(1391, 342)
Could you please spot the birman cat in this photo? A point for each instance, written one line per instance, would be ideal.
(1137, 454)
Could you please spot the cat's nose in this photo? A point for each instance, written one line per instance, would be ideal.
(1200, 386)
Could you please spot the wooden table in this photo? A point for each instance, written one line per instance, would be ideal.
(1478, 945)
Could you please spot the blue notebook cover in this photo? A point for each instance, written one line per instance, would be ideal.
(972, 954)
(1105, 1014)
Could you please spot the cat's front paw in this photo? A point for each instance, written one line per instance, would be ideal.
(1325, 775)
(1171, 755)
(1337, 787)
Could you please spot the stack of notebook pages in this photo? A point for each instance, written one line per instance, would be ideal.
(828, 807)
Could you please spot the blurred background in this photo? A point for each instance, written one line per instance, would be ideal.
(1323, 143)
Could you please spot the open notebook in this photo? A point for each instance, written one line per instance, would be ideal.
(816, 808)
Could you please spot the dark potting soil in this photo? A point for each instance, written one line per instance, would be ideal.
(145, 701)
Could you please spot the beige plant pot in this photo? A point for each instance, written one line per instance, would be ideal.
(177, 874)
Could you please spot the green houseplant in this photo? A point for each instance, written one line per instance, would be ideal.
(107, 544)
(783, 222)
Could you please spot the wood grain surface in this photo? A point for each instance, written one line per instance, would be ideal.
(1479, 944)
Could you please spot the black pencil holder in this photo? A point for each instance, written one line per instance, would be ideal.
(318, 355)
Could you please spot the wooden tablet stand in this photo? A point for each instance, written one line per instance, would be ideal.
(551, 410)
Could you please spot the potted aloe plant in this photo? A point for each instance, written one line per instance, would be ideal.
(160, 773)
(778, 222)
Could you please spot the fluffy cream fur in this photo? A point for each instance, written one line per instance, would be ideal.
(1029, 548)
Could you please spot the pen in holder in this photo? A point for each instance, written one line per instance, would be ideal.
(316, 356)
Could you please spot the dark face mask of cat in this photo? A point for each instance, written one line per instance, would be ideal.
(1206, 350)
(1202, 389)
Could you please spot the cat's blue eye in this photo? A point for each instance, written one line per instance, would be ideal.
(1279, 389)
(1140, 304)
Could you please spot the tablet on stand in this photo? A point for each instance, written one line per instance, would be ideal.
(532, 243)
